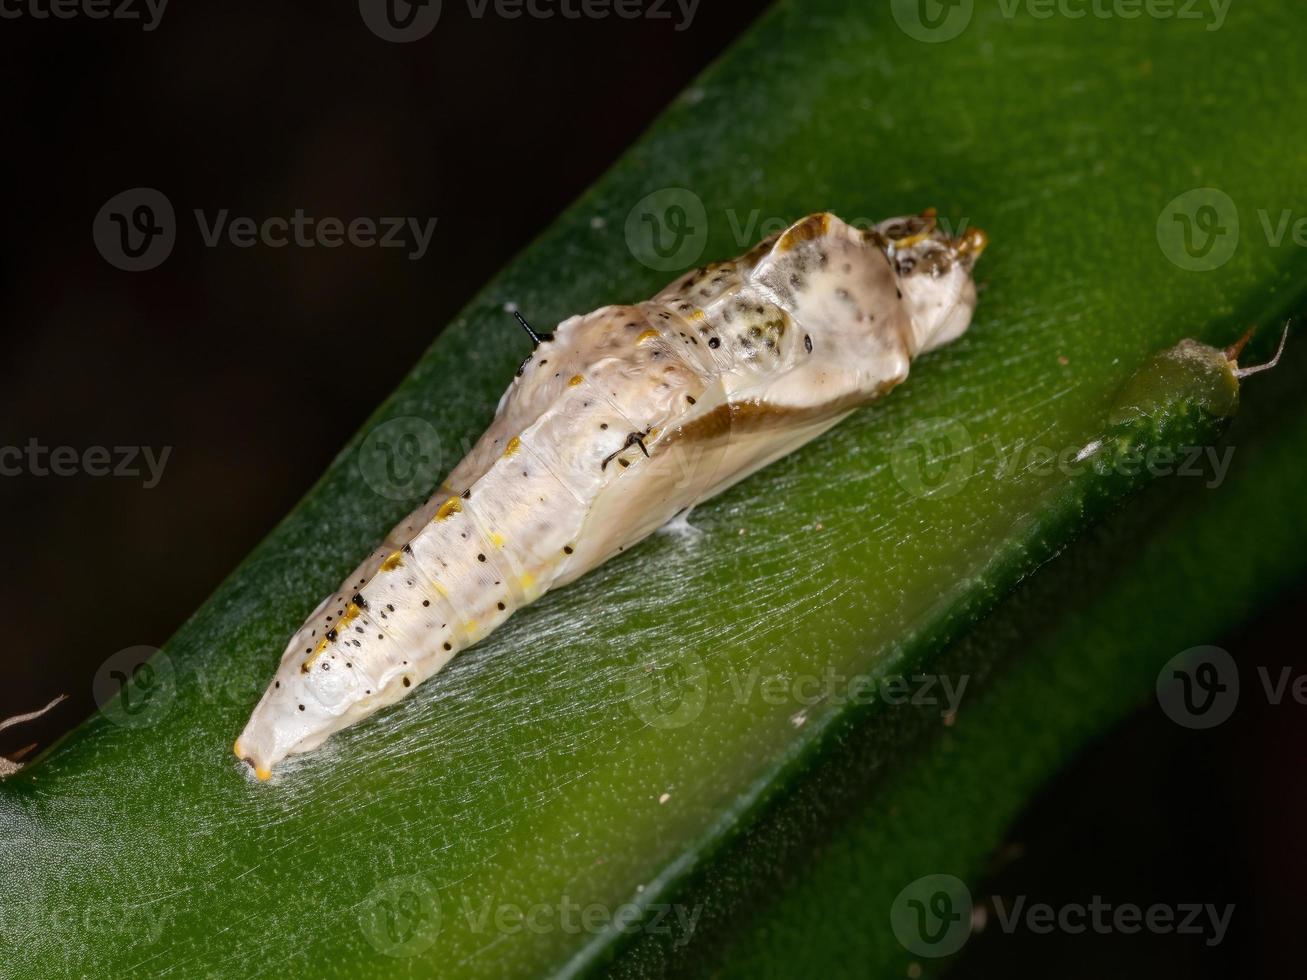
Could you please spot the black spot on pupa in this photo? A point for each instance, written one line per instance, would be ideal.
(426, 602)
(807, 343)
(331, 635)
(390, 607)
(301, 707)
(714, 343)
(467, 494)
(481, 557)
(501, 606)
(359, 601)
(407, 682)
(277, 684)
(690, 399)
(447, 646)
(568, 549)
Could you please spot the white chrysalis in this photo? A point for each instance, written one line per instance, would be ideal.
(619, 421)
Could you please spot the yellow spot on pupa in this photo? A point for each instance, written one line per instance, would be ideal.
(513, 446)
(496, 539)
(351, 613)
(698, 315)
(451, 506)
(264, 773)
(393, 562)
(575, 380)
(527, 580)
(440, 590)
(471, 626)
(322, 645)
(647, 335)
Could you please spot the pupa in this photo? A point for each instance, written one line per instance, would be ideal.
(617, 422)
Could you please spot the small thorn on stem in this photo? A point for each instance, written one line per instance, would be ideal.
(1242, 373)
(1234, 350)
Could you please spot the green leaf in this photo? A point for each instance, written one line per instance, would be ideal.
(541, 774)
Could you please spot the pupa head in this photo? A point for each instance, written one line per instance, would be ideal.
(934, 275)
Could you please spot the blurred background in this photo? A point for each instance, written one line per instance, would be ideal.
(215, 365)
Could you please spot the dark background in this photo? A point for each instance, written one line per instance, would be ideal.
(491, 126)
